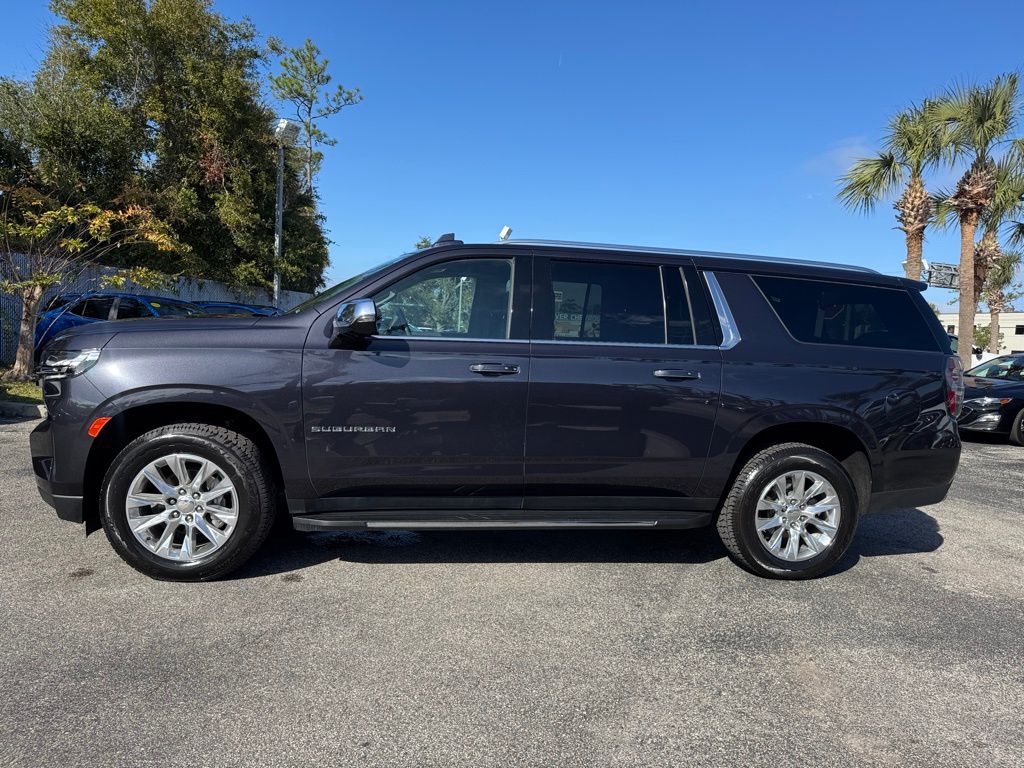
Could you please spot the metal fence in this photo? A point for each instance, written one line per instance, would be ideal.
(90, 280)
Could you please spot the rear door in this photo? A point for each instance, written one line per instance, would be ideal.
(624, 385)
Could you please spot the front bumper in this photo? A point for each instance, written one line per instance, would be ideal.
(66, 500)
(995, 421)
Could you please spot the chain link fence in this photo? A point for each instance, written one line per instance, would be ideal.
(91, 279)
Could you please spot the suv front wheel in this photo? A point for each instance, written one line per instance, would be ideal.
(187, 502)
(790, 514)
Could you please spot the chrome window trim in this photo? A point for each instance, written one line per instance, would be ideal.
(730, 333)
(623, 344)
(447, 338)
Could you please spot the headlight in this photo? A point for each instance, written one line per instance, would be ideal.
(68, 362)
(985, 402)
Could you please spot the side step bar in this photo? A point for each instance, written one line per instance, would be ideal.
(453, 521)
(456, 524)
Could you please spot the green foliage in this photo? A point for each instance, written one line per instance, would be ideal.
(305, 83)
(20, 391)
(977, 118)
(423, 242)
(143, 277)
(158, 104)
(983, 336)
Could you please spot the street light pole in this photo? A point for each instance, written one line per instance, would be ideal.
(285, 132)
(278, 219)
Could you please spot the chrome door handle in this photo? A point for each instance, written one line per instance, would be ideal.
(494, 369)
(663, 373)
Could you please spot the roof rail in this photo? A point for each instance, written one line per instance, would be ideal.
(680, 252)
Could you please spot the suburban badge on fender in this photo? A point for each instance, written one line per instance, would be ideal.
(329, 428)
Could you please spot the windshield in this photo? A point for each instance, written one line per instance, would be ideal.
(1007, 368)
(344, 285)
(164, 308)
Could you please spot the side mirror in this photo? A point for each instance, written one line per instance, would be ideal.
(354, 321)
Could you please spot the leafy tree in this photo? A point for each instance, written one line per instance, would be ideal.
(158, 103)
(423, 242)
(912, 145)
(44, 242)
(305, 83)
(979, 119)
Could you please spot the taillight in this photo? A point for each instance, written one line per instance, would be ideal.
(954, 385)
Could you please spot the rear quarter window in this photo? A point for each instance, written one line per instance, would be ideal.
(819, 312)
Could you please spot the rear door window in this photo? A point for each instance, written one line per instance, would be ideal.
(820, 312)
(131, 308)
(96, 308)
(607, 302)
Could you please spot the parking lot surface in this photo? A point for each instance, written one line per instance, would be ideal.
(525, 648)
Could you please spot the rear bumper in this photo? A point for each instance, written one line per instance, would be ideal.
(67, 501)
(907, 497)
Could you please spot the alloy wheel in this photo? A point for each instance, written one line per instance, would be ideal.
(182, 507)
(797, 515)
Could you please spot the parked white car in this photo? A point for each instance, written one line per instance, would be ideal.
(978, 355)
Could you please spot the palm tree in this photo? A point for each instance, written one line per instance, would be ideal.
(978, 120)
(1000, 278)
(912, 144)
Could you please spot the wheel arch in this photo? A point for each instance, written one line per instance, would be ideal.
(134, 420)
(839, 440)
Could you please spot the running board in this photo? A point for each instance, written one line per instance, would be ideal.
(497, 520)
(462, 524)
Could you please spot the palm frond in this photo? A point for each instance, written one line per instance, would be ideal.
(870, 180)
(1014, 232)
(1003, 271)
(976, 118)
(946, 214)
(915, 140)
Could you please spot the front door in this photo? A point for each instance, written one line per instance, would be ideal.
(431, 414)
(623, 398)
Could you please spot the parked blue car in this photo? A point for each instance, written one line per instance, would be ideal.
(234, 308)
(96, 307)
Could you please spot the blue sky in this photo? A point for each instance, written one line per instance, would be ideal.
(717, 126)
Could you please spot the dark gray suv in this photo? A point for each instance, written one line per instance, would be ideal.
(525, 384)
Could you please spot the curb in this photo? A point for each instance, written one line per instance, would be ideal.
(22, 410)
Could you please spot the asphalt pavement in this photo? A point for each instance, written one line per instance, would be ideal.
(554, 649)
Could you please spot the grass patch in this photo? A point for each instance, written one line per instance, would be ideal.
(20, 392)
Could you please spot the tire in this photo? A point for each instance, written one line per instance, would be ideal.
(244, 514)
(739, 517)
(1017, 430)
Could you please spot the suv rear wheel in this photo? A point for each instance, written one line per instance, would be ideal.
(791, 513)
(187, 502)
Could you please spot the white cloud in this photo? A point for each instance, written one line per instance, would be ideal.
(839, 157)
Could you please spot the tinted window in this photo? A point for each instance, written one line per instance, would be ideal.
(677, 305)
(1009, 368)
(614, 303)
(470, 298)
(129, 308)
(688, 307)
(164, 308)
(226, 309)
(837, 313)
(97, 308)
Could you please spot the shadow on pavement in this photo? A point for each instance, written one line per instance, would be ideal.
(290, 550)
(900, 532)
(891, 533)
